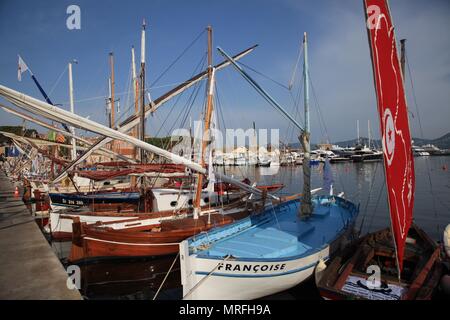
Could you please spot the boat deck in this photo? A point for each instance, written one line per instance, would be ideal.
(283, 235)
(29, 269)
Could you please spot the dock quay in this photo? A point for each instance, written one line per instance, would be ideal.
(29, 269)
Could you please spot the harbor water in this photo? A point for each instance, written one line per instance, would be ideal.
(362, 183)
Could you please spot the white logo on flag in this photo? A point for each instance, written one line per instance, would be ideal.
(388, 136)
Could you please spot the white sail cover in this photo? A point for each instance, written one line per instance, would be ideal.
(32, 104)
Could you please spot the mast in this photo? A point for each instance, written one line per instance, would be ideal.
(403, 57)
(108, 103)
(112, 84)
(44, 94)
(72, 129)
(357, 131)
(368, 131)
(31, 104)
(208, 114)
(136, 96)
(135, 131)
(142, 131)
(306, 205)
(111, 63)
(134, 120)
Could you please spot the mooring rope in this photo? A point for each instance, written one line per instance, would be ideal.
(167, 274)
(207, 276)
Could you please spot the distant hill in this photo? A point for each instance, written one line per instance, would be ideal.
(441, 142)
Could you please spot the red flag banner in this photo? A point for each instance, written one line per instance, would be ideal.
(393, 112)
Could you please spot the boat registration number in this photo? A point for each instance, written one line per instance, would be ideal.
(73, 202)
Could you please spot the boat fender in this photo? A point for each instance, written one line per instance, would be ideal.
(319, 270)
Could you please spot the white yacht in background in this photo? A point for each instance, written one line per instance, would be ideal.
(418, 151)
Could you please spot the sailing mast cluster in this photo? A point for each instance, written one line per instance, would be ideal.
(235, 239)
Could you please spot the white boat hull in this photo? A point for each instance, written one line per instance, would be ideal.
(260, 278)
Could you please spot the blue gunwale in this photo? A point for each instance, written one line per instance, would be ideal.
(284, 213)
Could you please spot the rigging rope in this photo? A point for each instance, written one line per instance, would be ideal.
(368, 199)
(178, 58)
(376, 205)
(189, 102)
(57, 80)
(207, 276)
(321, 119)
(422, 136)
(294, 71)
(263, 75)
(167, 274)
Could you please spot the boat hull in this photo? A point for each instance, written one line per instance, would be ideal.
(61, 225)
(142, 238)
(345, 279)
(79, 200)
(255, 258)
(225, 284)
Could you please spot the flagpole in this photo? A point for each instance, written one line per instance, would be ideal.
(44, 94)
(72, 129)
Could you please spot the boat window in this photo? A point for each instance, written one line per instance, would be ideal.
(190, 202)
(206, 200)
(173, 203)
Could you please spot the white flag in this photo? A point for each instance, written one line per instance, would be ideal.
(22, 68)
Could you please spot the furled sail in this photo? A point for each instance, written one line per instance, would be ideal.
(133, 120)
(34, 105)
(392, 109)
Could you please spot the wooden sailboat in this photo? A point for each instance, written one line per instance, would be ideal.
(346, 276)
(274, 250)
(167, 198)
(144, 237)
(400, 262)
(134, 120)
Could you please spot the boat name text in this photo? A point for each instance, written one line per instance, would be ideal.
(251, 267)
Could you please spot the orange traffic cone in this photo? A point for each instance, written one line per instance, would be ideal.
(16, 192)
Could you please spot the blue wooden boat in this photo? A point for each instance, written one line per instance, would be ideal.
(266, 253)
(272, 251)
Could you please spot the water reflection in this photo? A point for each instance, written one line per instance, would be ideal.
(138, 278)
(364, 184)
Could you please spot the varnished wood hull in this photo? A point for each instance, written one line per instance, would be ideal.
(92, 242)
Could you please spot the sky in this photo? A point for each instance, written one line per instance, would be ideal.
(340, 65)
